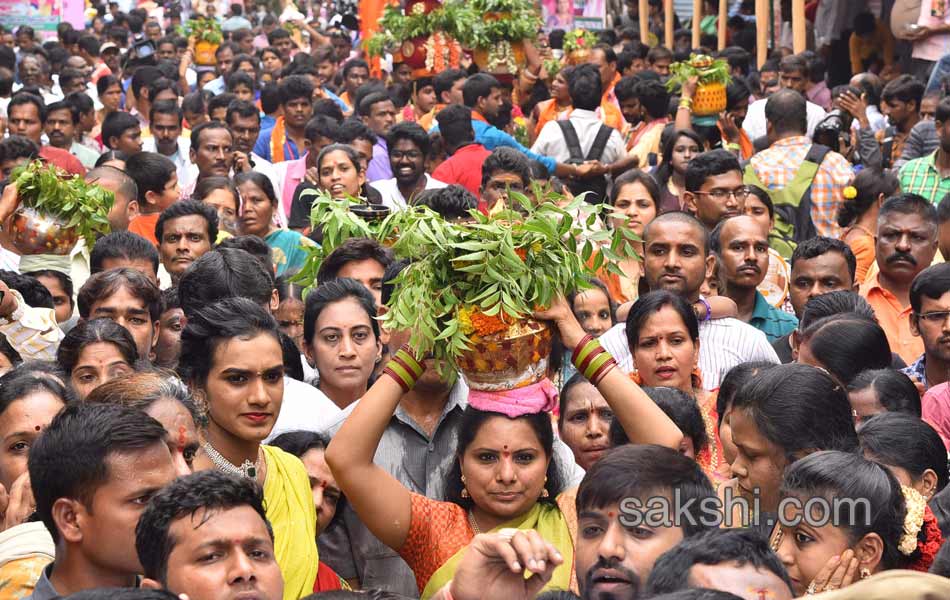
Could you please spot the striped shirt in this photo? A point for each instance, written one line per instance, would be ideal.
(921, 176)
(777, 166)
(723, 344)
(421, 463)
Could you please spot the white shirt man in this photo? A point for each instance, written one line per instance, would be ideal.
(586, 124)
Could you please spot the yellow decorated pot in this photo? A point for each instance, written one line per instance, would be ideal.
(204, 54)
(710, 99)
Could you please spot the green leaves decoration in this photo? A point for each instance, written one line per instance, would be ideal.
(513, 261)
(474, 24)
(708, 69)
(202, 29)
(49, 190)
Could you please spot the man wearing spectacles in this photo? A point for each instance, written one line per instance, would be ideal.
(408, 147)
(930, 301)
(714, 189)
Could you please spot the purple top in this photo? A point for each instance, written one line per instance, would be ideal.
(379, 167)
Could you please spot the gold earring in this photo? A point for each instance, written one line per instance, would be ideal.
(544, 490)
(865, 572)
(464, 493)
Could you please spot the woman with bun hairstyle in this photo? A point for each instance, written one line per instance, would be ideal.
(847, 518)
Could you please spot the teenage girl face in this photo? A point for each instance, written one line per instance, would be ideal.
(683, 151)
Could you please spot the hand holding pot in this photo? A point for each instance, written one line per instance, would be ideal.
(562, 317)
(9, 202)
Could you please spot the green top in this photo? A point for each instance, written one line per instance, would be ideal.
(921, 176)
(774, 323)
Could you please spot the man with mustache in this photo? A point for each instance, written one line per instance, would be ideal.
(905, 245)
(212, 153)
(742, 245)
(677, 258)
(930, 301)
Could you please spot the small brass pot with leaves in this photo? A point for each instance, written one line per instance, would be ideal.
(56, 210)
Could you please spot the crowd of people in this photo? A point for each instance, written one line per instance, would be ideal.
(756, 406)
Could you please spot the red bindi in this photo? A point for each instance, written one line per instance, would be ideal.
(181, 438)
(38, 428)
(611, 514)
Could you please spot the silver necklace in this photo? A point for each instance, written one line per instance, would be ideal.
(248, 469)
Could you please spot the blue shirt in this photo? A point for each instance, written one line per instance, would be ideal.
(339, 101)
(491, 137)
(262, 146)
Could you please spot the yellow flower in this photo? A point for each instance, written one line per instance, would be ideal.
(850, 193)
(465, 321)
(536, 247)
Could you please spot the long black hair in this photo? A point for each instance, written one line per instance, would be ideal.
(665, 170)
(847, 344)
(899, 440)
(869, 184)
(210, 326)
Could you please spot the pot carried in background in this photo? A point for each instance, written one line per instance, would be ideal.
(713, 77)
(56, 210)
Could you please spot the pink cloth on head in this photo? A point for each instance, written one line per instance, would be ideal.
(528, 400)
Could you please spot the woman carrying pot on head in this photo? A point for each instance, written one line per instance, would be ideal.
(505, 479)
(663, 334)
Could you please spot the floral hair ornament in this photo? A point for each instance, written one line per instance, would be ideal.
(850, 192)
(913, 521)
